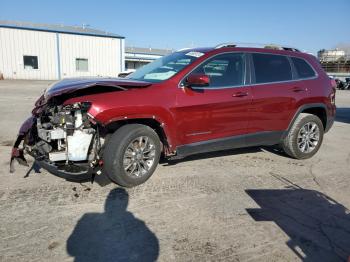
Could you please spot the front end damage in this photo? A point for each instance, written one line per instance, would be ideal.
(64, 138)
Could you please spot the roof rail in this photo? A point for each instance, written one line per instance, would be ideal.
(268, 46)
(225, 45)
(183, 49)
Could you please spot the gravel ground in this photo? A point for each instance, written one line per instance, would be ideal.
(251, 204)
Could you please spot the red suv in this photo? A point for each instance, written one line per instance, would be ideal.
(189, 102)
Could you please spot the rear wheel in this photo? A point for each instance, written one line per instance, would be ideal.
(305, 137)
(131, 155)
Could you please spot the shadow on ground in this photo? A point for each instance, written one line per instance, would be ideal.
(318, 226)
(213, 154)
(343, 115)
(103, 180)
(115, 235)
(230, 152)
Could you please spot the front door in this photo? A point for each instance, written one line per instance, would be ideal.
(219, 110)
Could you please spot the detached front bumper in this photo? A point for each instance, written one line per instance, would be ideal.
(28, 140)
(69, 176)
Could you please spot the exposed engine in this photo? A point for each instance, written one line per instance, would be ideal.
(65, 134)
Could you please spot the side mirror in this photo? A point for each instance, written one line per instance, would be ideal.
(197, 80)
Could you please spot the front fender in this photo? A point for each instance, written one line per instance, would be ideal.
(17, 153)
(27, 125)
(164, 119)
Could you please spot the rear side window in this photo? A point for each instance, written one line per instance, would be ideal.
(271, 68)
(303, 69)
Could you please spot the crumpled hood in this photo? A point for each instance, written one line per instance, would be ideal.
(73, 84)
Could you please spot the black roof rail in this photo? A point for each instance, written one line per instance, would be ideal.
(225, 45)
(268, 46)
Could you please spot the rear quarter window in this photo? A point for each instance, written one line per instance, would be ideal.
(271, 68)
(303, 69)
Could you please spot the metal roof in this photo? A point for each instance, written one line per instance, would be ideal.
(76, 30)
(148, 51)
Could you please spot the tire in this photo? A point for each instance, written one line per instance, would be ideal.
(118, 155)
(294, 146)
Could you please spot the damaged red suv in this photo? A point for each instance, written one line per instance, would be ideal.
(189, 102)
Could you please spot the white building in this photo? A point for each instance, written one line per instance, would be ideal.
(136, 57)
(330, 55)
(51, 52)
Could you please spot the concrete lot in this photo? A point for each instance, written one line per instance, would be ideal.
(240, 205)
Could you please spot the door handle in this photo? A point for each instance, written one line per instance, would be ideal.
(299, 89)
(240, 94)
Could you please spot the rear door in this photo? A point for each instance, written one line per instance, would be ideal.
(220, 109)
(276, 92)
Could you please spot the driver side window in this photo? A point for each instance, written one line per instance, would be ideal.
(226, 70)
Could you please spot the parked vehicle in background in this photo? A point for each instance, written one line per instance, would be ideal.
(340, 84)
(126, 73)
(191, 101)
(347, 83)
(343, 85)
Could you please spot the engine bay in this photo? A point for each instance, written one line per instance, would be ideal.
(66, 136)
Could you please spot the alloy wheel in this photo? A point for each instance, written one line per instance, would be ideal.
(139, 156)
(308, 137)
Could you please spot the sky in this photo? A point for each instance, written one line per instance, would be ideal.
(309, 25)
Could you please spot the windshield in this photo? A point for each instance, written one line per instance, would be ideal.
(165, 67)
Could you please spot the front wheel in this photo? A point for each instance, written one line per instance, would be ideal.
(305, 137)
(131, 155)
